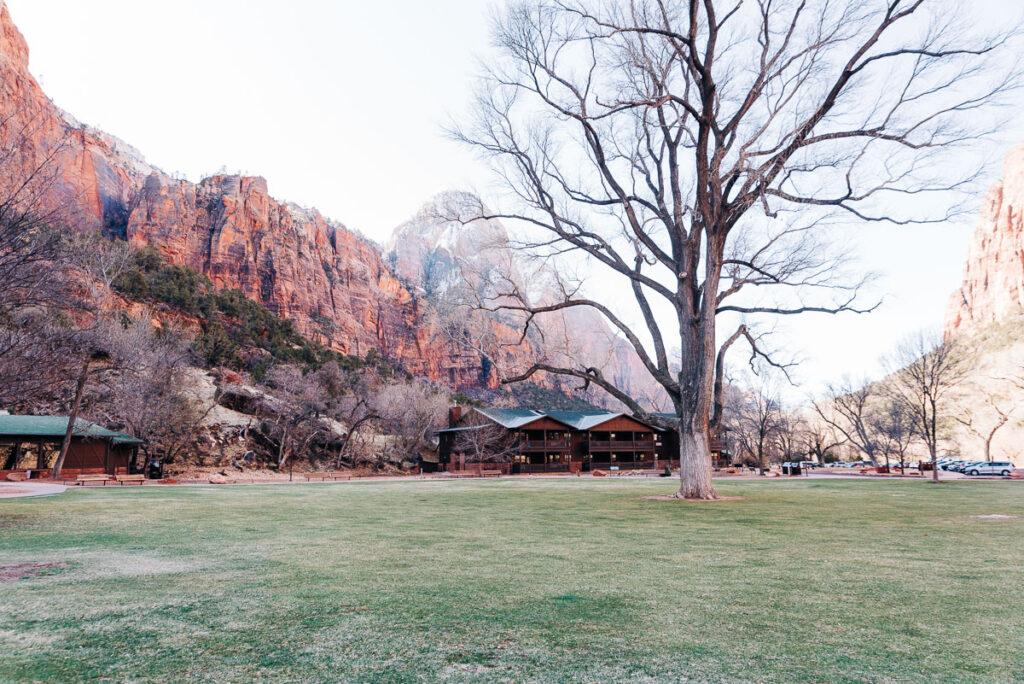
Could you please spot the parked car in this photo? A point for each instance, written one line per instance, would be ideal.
(1003, 468)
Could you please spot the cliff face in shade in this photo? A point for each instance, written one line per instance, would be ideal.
(993, 284)
(334, 285)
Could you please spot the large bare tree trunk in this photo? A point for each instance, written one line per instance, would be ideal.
(75, 406)
(282, 452)
(694, 465)
(701, 167)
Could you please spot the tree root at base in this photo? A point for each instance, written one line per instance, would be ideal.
(678, 497)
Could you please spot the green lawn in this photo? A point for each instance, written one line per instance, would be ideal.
(517, 580)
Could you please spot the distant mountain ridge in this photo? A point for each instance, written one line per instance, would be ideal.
(335, 286)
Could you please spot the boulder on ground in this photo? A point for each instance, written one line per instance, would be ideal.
(599, 473)
(217, 478)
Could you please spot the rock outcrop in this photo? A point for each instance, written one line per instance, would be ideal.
(993, 284)
(334, 285)
(326, 279)
(448, 261)
(89, 176)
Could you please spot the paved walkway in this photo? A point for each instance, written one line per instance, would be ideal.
(17, 490)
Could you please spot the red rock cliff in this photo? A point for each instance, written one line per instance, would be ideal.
(993, 285)
(329, 281)
(94, 176)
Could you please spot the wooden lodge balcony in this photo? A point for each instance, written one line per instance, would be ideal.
(622, 445)
(545, 445)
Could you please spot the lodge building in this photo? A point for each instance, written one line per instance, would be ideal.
(558, 441)
(30, 445)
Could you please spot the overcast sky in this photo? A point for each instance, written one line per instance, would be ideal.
(340, 105)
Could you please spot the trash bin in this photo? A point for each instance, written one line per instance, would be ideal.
(794, 469)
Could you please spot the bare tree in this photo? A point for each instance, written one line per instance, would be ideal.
(848, 411)
(34, 362)
(292, 420)
(818, 439)
(35, 283)
(411, 413)
(894, 426)
(145, 395)
(754, 423)
(787, 436)
(485, 442)
(352, 399)
(696, 152)
(985, 423)
(925, 369)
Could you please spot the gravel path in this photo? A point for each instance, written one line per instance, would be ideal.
(17, 490)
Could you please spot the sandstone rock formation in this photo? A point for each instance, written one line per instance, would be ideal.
(95, 175)
(448, 260)
(333, 284)
(993, 284)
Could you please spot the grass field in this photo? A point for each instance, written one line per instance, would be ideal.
(515, 580)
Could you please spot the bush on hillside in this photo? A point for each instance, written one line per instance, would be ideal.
(232, 322)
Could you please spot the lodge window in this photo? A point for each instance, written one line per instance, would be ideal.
(28, 457)
(48, 457)
(7, 453)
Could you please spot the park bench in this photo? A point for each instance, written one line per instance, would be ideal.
(339, 475)
(93, 479)
(130, 479)
(316, 476)
(490, 473)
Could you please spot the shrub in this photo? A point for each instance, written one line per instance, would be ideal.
(231, 321)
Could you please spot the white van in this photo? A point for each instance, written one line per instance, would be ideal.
(1003, 468)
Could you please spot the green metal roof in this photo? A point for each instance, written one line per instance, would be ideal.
(512, 418)
(578, 420)
(583, 420)
(56, 426)
(465, 428)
